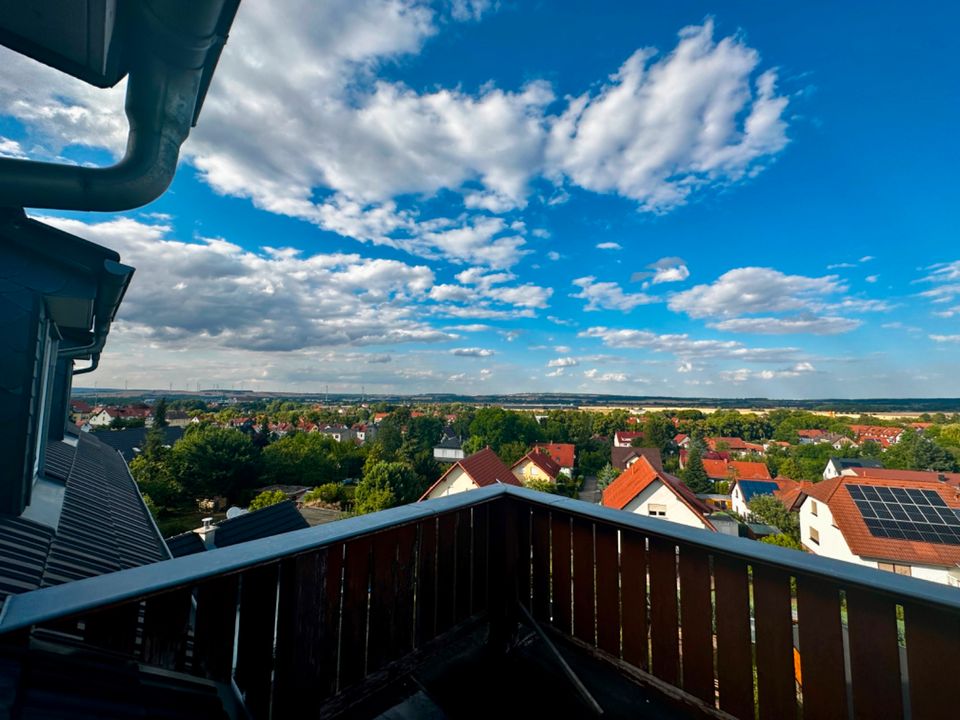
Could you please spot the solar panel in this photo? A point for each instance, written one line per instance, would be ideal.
(907, 514)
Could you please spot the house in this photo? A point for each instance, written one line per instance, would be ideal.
(682, 440)
(272, 520)
(931, 476)
(364, 433)
(108, 414)
(735, 470)
(563, 454)
(624, 438)
(536, 466)
(706, 455)
(623, 457)
(340, 433)
(744, 491)
(129, 442)
(481, 469)
(644, 490)
(811, 436)
(732, 444)
(836, 466)
(902, 525)
(881, 434)
(450, 447)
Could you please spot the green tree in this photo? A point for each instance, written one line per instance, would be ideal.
(397, 477)
(512, 451)
(694, 475)
(160, 413)
(540, 485)
(215, 461)
(608, 473)
(782, 540)
(154, 479)
(767, 509)
(266, 499)
(301, 459)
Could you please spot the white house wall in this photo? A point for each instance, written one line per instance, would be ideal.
(658, 494)
(456, 482)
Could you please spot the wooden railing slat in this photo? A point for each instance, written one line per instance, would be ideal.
(258, 607)
(114, 629)
(584, 611)
(776, 686)
(874, 656)
(560, 571)
(523, 554)
(353, 617)
(608, 589)
(664, 617)
(166, 623)
(446, 571)
(382, 640)
(540, 582)
(464, 569)
(933, 647)
(696, 617)
(215, 627)
(734, 650)
(481, 553)
(633, 571)
(427, 582)
(822, 672)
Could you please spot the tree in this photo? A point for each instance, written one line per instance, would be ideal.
(512, 451)
(694, 475)
(160, 413)
(783, 541)
(540, 485)
(266, 499)
(608, 473)
(396, 477)
(215, 461)
(154, 444)
(300, 459)
(767, 509)
(154, 479)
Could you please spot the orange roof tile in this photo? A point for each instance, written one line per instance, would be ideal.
(636, 478)
(564, 454)
(740, 469)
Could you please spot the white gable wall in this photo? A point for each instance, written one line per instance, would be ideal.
(457, 481)
(657, 493)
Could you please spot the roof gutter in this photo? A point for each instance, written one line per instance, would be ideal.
(170, 71)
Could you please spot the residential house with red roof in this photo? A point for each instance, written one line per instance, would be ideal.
(881, 434)
(735, 470)
(536, 466)
(645, 490)
(479, 470)
(951, 478)
(744, 491)
(900, 524)
(107, 415)
(733, 444)
(563, 454)
(624, 438)
(623, 457)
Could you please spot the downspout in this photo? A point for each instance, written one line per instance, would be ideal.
(180, 43)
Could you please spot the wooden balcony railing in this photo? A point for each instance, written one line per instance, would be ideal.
(735, 626)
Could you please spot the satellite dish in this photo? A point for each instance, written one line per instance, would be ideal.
(235, 512)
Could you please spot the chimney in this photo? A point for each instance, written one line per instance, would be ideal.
(207, 532)
(942, 478)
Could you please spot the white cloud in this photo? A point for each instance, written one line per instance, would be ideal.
(609, 246)
(872, 278)
(685, 347)
(553, 255)
(664, 270)
(472, 327)
(840, 266)
(829, 325)
(945, 277)
(684, 366)
(945, 338)
(563, 362)
(11, 149)
(608, 295)
(472, 352)
(594, 374)
(743, 375)
(662, 128)
(280, 300)
(866, 258)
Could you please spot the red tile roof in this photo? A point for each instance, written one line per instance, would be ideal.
(742, 470)
(542, 461)
(483, 467)
(628, 436)
(680, 437)
(734, 443)
(791, 492)
(812, 433)
(636, 478)
(847, 518)
(621, 456)
(916, 475)
(564, 454)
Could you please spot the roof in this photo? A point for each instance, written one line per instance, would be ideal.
(734, 443)
(811, 433)
(127, 441)
(918, 475)
(792, 494)
(620, 456)
(450, 443)
(628, 436)
(723, 469)
(751, 488)
(484, 467)
(542, 461)
(844, 463)
(187, 543)
(103, 525)
(265, 522)
(564, 454)
(862, 542)
(636, 478)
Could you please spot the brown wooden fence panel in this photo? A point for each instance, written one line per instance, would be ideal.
(633, 574)
(464, 569)
(353, 616)
(608, 589)
(540, 540)
(382, 637)
(560, 542)
(821, 650)
(734, 651)
(427, 582)
(696, 617)
(215, 627)
(874, 655)
(933, 646)
(403, 609)
(664, 618)
(776, 687)
(258, 607)
(446, 571)
(523, 555)
(583, 591)
(166, 622)
(481, 551)
(115, 629)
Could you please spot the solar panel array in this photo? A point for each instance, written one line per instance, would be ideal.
(906, 514)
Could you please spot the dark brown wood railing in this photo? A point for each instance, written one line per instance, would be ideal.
(733, 625)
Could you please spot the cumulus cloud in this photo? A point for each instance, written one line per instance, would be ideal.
(609, 246)
(563, 362)
(351, 143)
(945, 338)
(659, 129)
(217, 294)
(608, 295)
(664, 270)
(683, 346)
(472, 352)
(594, 374)
(828, 325)
(743, 374)
(11, 149)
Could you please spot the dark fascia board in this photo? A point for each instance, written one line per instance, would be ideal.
(59, 246)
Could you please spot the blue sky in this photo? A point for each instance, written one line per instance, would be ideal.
(736, 199)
